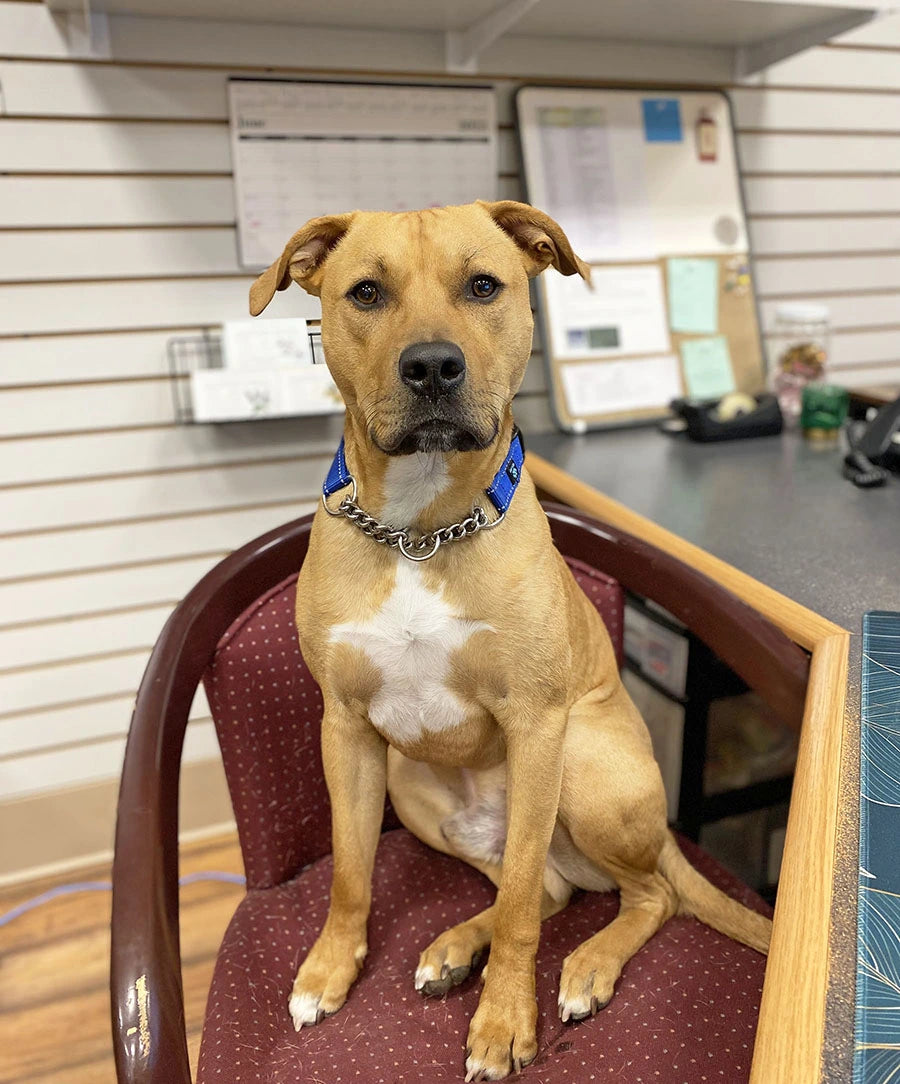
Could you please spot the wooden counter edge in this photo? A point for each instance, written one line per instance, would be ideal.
(790, 1034)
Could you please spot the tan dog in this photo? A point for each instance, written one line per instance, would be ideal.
(479, 686)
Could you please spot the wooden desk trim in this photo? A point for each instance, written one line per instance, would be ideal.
(790, 1035)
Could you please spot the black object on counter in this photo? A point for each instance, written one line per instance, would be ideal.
(702, 424)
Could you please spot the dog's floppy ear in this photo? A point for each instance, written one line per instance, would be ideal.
(303, 256)
(541, 239)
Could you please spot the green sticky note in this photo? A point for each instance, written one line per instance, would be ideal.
(693, 295)
(707, 367)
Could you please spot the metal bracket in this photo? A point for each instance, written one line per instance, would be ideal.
(750, 59)
(85, 32)
(461, 47)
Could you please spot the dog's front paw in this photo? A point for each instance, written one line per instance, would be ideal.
(502, 1036)
(448, 960)
(323, 981)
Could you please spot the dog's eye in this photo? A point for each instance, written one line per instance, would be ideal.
(365, 293)
(484, 286)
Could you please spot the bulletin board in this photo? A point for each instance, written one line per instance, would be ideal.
(303, 148)
(646, 186)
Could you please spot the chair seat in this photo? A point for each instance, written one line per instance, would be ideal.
(685, 1008)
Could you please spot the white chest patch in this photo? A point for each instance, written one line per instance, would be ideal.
(410, 639)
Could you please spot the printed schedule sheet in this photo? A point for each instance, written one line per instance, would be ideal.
(303, 149)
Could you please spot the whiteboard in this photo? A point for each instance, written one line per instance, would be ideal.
(301, 149)
(647, 188)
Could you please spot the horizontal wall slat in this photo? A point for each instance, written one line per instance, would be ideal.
(865, 310)
(824, 67)
(35, 255)
(89, 306)
(760, 107)
(93, 146)
(114, 201)
(60, 641)
(116, 90)
(85, 455)
(36, 772)
(157, 539)
(859, 348)
(110, 90)
(770, 236)
(61, 684)
(89, 146)
(803, 153)
(95, 592)
(856, 350)
(56, 726)
(822, 273)
(91, 502)
(84, 407)
(865, 377)
(800, 195)
(884, 32)
(106, 356)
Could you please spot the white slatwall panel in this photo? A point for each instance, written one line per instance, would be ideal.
(117, 230)
(54, 727)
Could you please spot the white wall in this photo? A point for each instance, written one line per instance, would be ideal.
(116, 231)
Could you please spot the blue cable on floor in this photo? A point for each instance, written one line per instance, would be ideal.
(105, 886)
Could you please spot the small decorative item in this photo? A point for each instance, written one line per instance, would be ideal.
(824, 410)
(737, 276)
(801, 338)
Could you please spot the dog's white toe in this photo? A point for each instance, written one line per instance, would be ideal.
(304, 1009)
(426, 973)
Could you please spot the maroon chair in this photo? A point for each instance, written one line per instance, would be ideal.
(685, 1008)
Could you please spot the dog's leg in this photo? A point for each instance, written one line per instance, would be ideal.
(354, 757)
(613, 804)
(502, 1034)
(590, 972)
(428, 799)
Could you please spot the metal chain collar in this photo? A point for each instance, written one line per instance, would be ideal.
(413, 549)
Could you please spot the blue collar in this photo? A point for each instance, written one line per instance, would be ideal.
(500, 492)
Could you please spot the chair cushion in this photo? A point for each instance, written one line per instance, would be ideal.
(267, 710)
(684, 1011)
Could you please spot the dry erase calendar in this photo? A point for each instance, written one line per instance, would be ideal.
(646, 185)
(302, 149)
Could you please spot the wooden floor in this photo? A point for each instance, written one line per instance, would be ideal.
(54, 970)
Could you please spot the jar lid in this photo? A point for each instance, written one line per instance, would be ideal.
(802, 312)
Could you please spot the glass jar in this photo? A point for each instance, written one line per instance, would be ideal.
(800, 344)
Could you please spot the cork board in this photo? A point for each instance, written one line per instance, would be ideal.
(646, 185)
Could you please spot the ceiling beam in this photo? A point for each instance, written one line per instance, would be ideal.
(462, 47)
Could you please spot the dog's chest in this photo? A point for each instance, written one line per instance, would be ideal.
(411, 639)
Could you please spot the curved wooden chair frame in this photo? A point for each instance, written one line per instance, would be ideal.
(146, 989)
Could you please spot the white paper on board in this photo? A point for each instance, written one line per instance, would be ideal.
(624, 313)
(607, 387)
(594, 183)
(265, 344)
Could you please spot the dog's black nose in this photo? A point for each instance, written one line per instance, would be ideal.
(432, 369)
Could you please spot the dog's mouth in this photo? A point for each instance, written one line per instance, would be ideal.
(437, 435)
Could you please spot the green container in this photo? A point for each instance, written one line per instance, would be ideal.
(824, 410)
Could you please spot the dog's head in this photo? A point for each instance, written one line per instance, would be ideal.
(426, 317)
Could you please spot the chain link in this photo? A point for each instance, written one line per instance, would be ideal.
(423, 546)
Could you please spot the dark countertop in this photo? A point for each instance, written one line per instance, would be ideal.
(778, 509)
